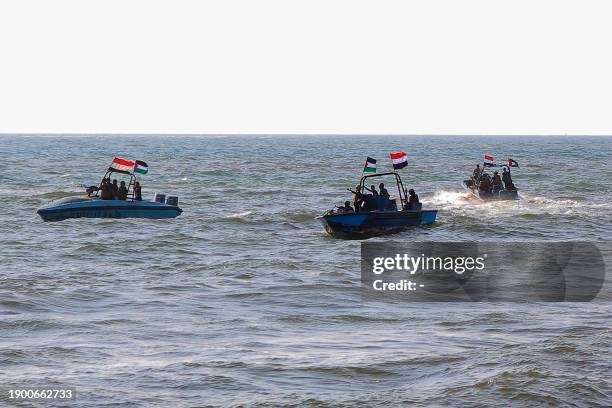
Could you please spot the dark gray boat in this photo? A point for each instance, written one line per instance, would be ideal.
(486, 191)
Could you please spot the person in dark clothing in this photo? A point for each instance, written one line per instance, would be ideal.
(413, 200)
(122, 192)
(114, 189)
(382, 190)
(358, 198)
(137, 191)
(497, 181)
(346, 209)
(106, 191)
(507, 179)
(477, 172)
(372, 190)
(485, 185)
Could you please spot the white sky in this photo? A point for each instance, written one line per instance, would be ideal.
(484, 67)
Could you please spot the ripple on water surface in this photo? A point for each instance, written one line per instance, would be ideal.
(244, 300)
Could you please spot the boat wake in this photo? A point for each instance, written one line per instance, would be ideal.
(449, 198)
(461, 203)
(565, 206)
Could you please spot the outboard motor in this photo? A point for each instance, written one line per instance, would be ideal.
(160, 198)
(172, 200)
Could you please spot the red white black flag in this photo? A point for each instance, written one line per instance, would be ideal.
(400, 160)
(122, 166)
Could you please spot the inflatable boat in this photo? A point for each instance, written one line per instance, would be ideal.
(495, 194)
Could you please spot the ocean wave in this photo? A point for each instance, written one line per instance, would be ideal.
(247, 281)
(301, 217)
(242, 214)
(58, 194)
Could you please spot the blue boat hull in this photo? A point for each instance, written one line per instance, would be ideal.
(75, 207)
(368, 224)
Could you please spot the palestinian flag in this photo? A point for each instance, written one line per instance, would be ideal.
(120, 165)
(400, 160)
(141, 167)
(488, 161)
(370, 165)
(512, 163)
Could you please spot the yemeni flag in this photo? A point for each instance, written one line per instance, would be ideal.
(488, 160)
(120, 165)
(400, 160)
(141, 167)
(512, 163)
(370, 165)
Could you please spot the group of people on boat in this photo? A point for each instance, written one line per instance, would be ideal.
(362, 201)
(487, 184)
(114, 191)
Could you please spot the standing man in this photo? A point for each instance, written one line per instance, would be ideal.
(476, 173)
(137, 191)
(413, 200)
(382, 190)
(114, 189)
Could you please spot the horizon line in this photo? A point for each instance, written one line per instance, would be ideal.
(302, 134)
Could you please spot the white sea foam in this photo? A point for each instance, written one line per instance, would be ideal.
(449, 198)
(460, 203)
(240, 214)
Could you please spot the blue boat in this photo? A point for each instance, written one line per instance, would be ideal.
(381, 215)
(94, 206)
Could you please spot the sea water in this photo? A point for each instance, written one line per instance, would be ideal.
(243, 299)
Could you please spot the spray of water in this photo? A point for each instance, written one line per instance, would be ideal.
(463, 203)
